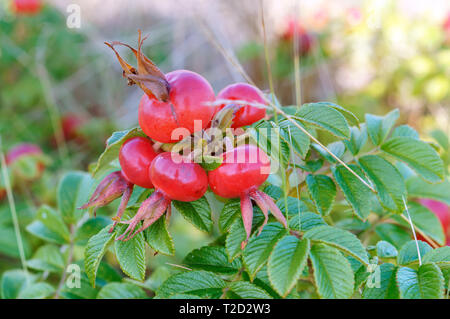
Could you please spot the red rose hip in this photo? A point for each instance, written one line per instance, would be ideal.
(247, 114)
(135, 157)
(188, 95)
(242, 171)
(173, 180)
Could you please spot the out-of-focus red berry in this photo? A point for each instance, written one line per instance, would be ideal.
(28, 7)
(71, 124)
(304, 38)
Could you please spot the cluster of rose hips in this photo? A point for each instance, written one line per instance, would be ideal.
(180, 100)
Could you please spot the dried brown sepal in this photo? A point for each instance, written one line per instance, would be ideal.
(147, 75)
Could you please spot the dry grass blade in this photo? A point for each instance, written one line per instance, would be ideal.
(276, 109)
(12, 208)
(414, 229)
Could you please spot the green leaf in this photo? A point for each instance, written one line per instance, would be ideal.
(393, 234)
(323, 192)
(85, 291)
(131, 254)
(235, 237)
(295, 137)
(158, 237)
(348, 115)
(425, 283)
(38, 229)
(198, 282)
(420, 156)
(358, 138)
(53, 221)
(246, 290)
(357, 194)
(339, 238)
(210, 163)
(121, 290)
(405, 130)
(386, 250)
(333, 275)
(262, 280)
(197, 212)
(378, 127)
(47, 258)
(408, 253)
(38, 290)
(388, 181)
(94, 251)
(269, 139)
(73, 191)
(259, 248)
(212, 258)
(337, 148)
(8, 242)
(442, 138)
(113, 145)
(290, 206)
(387, 288)
(158, 276)
(286, 263)
(229, 212)
(273, 191)
(324, 117)
(14, 281)
(426, 221)
(417, 187)
(89, 228)
(440, 256)
(306, 221)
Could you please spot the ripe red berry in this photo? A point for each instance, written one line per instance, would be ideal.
(26, 6)
(243, 168)
(188, 94)
(247, 114)
(135, 157)
(182, 181)
(242, 171)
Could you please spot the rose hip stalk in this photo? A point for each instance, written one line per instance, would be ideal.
(242, 171)
(173, 180)
(171, 101)
(135, 157)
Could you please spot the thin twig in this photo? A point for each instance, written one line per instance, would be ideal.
(178, 266)
(414, 232)
(13, 210)
(69, 261)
